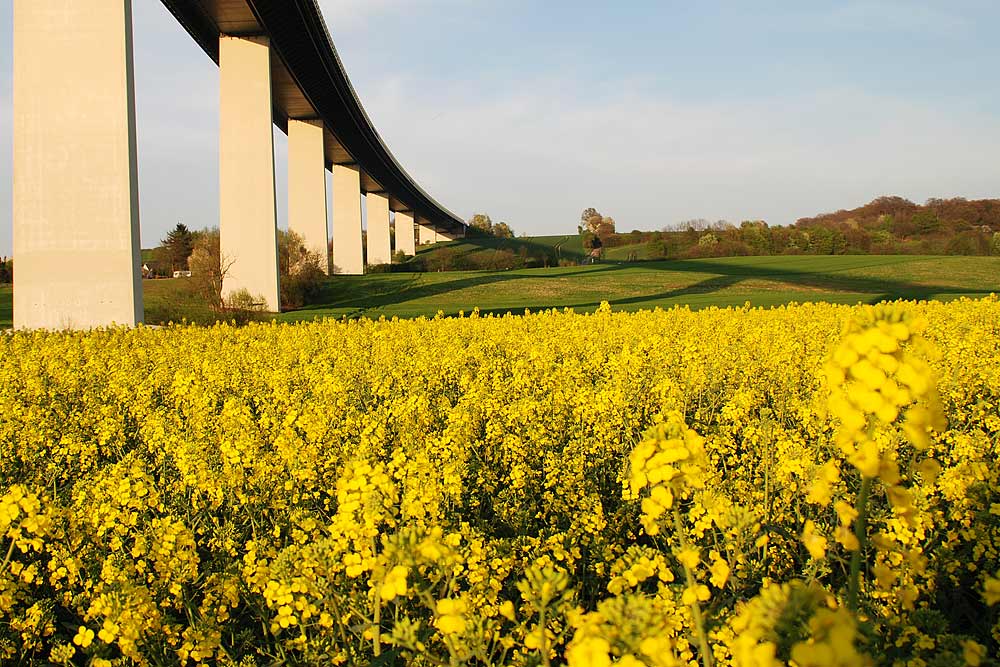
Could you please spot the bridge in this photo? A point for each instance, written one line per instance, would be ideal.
(75, 195)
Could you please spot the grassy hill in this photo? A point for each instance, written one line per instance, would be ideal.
(488, 253)
(567, 245)
(761, 281)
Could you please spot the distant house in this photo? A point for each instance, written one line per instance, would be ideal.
(182, 274)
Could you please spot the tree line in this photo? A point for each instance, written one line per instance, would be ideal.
(886, 226)
(481, 225)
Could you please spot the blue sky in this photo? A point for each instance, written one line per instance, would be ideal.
(652, 112)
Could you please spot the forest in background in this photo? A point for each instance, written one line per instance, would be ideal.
(886, 226)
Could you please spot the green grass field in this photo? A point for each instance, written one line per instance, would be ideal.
(761, 281)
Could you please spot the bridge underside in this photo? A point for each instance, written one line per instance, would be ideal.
(309, 83)
(76, 206)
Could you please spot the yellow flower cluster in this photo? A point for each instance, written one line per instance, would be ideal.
(811, 486)
(670, 461)
(874, 377)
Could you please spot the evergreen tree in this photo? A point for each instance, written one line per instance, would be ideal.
(179, 244)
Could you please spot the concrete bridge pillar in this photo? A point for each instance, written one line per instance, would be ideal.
(379, 242)
(348, 246)
(405, 239)
(75, 195)
(307, 212)
(425, 234)
(247, 215)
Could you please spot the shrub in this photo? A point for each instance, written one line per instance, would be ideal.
(241, 307)
(301, 274)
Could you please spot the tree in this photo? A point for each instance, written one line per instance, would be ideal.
(695, 224)
(178, 247)
(502, 230)
(606, 227)
(925, 222)
(482, 222)
(206, 268)
(590, 220)
(485, 226)
(756, 235)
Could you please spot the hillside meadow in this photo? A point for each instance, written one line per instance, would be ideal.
(627, 286)
(734, 281)
(810, 485)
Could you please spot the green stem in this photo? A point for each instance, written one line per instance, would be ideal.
(377, 623)
(861, 533)
(545, 637)
(6, 560)
(699, 625)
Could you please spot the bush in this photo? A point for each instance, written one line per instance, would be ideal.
(241, 307)
(969, 243)
(301, 275)
(442, 259)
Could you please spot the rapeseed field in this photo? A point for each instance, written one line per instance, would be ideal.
(811, 485)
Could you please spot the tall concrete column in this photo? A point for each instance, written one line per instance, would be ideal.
(348, 246)
(425, 234)
(247, 215)
(75, 196)
(405, 239)
(379, 243)
(307, 211)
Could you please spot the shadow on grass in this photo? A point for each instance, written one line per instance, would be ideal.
(364, 294)
(731, 274)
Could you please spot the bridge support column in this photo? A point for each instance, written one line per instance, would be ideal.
(75, 195)
(425, 234)
(348, 246)
(247, 215)
(405, 239)
(307, 210)
(379, 243)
